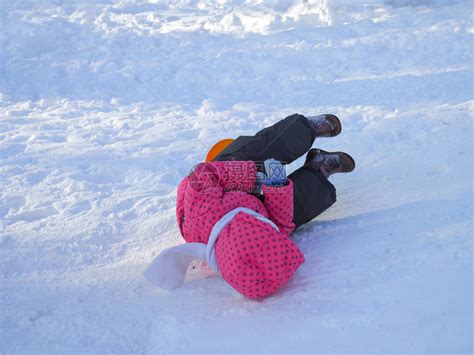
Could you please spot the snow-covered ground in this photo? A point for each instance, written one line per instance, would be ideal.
(106, 105)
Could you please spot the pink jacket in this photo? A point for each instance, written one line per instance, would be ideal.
(253, 257)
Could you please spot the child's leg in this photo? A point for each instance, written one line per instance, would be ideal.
(286, 141)
(312, 194)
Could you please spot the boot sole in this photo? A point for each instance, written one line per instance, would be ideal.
(335, 122)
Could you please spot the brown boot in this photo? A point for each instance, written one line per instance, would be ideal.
(326, 125)
(329, 162)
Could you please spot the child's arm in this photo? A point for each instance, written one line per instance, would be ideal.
(279, 204)
(180, 203)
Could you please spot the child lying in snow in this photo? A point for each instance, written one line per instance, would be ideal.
(238, 215)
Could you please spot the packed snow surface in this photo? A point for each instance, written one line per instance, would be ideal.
(105, 106)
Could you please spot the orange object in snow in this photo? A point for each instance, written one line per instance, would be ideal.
(217, 148)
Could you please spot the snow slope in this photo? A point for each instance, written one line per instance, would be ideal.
(106, 105)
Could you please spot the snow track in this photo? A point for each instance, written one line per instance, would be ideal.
(104, 108)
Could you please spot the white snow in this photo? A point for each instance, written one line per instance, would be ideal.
(106, 105)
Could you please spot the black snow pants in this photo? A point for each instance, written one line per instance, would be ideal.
(286, 141)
